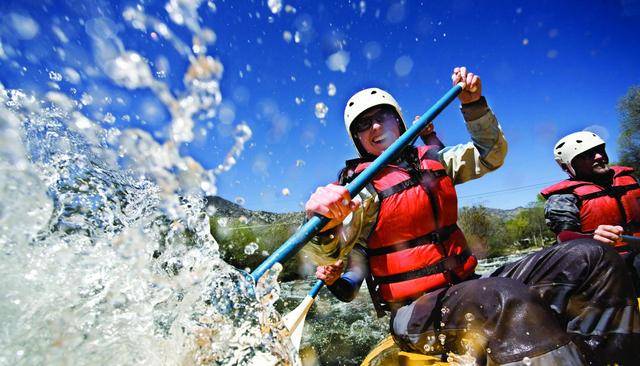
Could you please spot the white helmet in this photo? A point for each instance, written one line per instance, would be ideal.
(573, 145)
(363, 100)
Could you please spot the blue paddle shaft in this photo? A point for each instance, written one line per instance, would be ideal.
(311, 228)
(315, 289)
(633, 242)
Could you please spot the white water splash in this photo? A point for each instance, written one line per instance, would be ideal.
(107, 252)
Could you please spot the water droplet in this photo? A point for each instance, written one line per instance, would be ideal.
(223, 222)
(109, 118)
(86, 99)
(240, 200)
(285, 191)
(317, 89)
(55, 76)
(403, 66)
(299, 100)
(130, 70)
(442, 338)
(526, 361)
(275, 6)
(338, 61)
(211, 210)
(287, 36)
(444, 310)
(250, 248)
(488, 350)
(300, 163)
(243, 219)
(24, 26)
(331, 89)
(321, 110)
(469, 317)
(372, 50)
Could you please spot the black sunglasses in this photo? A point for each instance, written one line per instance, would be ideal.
(365, 123)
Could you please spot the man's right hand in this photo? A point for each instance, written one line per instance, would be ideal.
(608, 234)
(329, 274)
(332, 201)
(473, 85)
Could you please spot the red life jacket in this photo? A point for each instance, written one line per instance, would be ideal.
(618, 204)
(416, 246)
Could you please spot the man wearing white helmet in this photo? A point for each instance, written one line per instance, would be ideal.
(597, 200)
(400, 236)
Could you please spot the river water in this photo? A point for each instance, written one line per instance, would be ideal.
(338, 333)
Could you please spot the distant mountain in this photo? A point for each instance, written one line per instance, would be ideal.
(229, 209)
(225, 208)
(505, 214)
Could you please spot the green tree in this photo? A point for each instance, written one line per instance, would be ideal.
(629, 139)
(484, 231)
(528, 227)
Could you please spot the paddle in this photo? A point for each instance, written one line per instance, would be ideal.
(294, 321)
(632, 242)
(290, 247)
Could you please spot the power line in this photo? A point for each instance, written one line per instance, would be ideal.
(507, 190)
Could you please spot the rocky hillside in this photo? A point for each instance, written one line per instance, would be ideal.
(505, 215)
(225, 208)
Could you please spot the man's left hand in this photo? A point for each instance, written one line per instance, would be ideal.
(608, 234)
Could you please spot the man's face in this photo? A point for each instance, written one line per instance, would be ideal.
(377, 129)
(591, 164)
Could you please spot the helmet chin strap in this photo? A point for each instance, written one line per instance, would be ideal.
(569, 170)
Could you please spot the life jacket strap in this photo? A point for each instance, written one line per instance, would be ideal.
(447, 264)
(437, 236)
(613, 191)
(411, 182)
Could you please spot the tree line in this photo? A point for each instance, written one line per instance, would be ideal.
(490, 235)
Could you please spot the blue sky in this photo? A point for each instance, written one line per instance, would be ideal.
(548, 68)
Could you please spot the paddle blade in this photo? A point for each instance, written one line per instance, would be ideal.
(294, 321)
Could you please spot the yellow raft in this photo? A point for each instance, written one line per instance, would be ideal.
(387, 353)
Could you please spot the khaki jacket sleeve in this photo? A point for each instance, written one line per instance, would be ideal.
(484, 153)
(334, 244)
